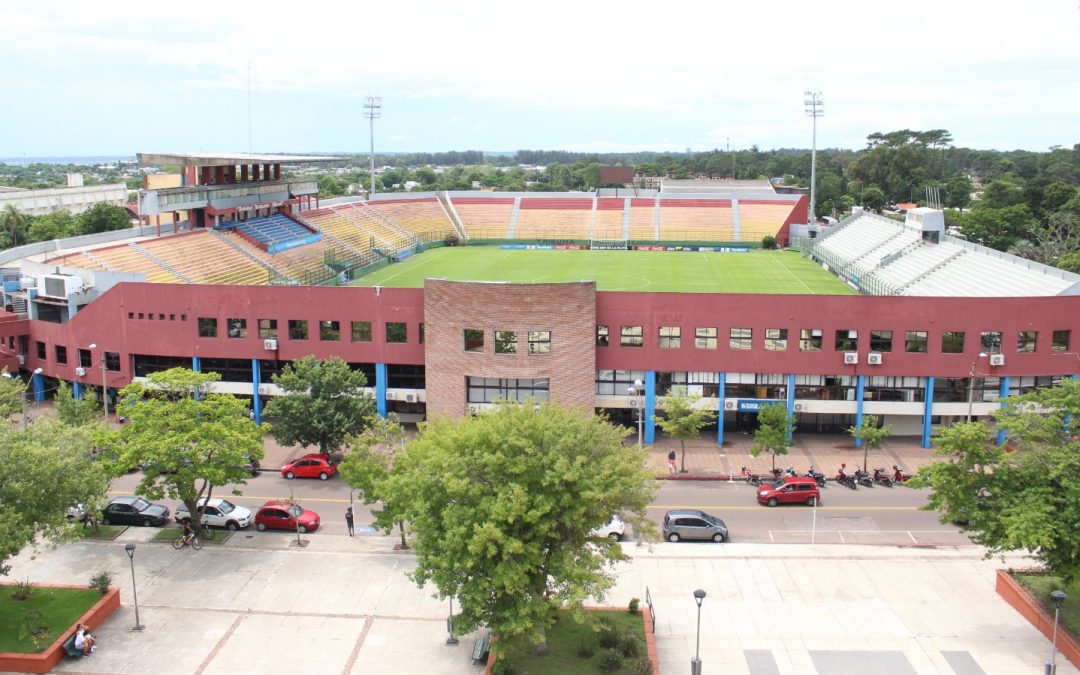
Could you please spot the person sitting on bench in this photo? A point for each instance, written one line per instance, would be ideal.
(84, 640)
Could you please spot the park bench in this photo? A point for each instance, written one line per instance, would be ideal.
(69, 647)
(480, 648)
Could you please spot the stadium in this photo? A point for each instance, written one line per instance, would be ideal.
(450, 301)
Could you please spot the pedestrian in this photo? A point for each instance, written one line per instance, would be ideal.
(349, 520)
(671, 462)
(84, 640)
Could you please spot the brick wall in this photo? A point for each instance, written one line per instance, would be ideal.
(567, 310)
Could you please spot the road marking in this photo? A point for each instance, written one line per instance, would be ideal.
(763, 507)
(278, 498)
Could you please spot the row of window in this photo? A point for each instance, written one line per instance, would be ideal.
(813, 340)
(329, 331)
(60, 356)
(506, 341)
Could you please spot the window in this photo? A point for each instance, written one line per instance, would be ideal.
(491, 389)
(881, 340)
(539, 342)
(670, 337)
(297, 329)
(776, 339)
(705, 338)
(616, 382)
(847, 341)
(421, 333)
(267, 329)
(810, 340)
(740, 338)
(915, 343)
(237, 328)
(330, 331)
(952, 342)
(1025, 341)
(474, 339)
(1061, 341)
(61, 354)
(396, 332)
(361, 331)
(41, 353)
(207, 327)
(84, 359)
(632, 336)
(991, 342)
(505, 342)
(601, 336)
(112, 360)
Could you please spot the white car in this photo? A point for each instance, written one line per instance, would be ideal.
(613, 530)
(218, 513)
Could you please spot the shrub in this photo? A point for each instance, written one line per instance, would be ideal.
(768, 242)
(629, 646)
(633, 607)
(610, 661)
(22, 590)
(608, 638)
(101, 581)
(501, 667)
(452, 239)
(585, 651)
(641, 666)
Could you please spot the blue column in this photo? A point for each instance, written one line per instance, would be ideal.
(380, 389)
(720, 412)
(195, 364)
(860, 382)
(1003, 393)
(791, 399)
(650, 405)
(76, 390)
(928, 410)
(256, 403)
(39, 387)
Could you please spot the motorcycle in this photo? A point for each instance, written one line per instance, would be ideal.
(790, 471)
(818, 477)
(847, 479)
(751, 478)
(881, 478)
(899, 476)
(863, 478)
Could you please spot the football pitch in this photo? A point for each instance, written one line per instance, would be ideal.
(756, 271)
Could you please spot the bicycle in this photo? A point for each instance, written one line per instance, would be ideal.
(205, 532)
(183, 540)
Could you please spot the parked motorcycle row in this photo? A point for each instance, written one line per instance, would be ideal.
(852, 480)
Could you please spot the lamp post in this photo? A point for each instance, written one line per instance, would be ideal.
(1051, 666)
(37, 371)
(635, 393)
(450, 624)
(971, 383)
(695, 664)
(130, 550)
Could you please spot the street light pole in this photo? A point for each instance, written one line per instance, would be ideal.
(450, 624)
(971, 383)
(1051, 666)
(635, 393)
(695, 664)
(130, 550)
(37, 371)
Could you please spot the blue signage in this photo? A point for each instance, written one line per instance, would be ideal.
(756, 404)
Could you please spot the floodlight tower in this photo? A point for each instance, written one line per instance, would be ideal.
(372, 112)
(814, 108)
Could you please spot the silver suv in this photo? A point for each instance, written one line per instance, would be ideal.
(693, 524)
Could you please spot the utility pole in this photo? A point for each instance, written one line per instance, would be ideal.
(372, 112)
(814, 108)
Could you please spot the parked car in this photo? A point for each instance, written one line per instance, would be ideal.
(790, 490)
(309, 466)
(693, 524)
(75, 513)
(134, 511)
(286, 516)
(218, 513)
(613, 530)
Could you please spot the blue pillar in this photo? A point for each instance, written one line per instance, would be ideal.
(650, 405)
(1003, 393)
(928, 410)
(791, 400)
(860, 382)
(380, 389)
(720, 412)
(39, 387)
(76, 390)
(256, 403)
(196, 365)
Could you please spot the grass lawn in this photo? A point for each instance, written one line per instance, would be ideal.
(41, 618)
(106, 532)
(1040, 586)
(757, 271)
(565, 640)
(167, 534)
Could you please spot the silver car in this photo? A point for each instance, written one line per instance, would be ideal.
(693, 524)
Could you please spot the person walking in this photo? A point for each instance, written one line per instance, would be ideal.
(671, 462)
(349, 520)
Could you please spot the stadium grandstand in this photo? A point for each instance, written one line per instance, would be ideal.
(239, 269)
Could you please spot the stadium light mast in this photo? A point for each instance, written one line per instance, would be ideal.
(814, 108)
(372, 112)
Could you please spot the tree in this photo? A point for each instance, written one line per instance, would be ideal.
(873, 198)
(870, 434)
(1070, 262)
(773, 434)
(103, 217)
(14, 223)
(12, 391)
(958, 192)
(998, 228)
(500, 506)
(43, 470)
(55, 225)
(187, 439)
(368, 464)
(682, 419)
(324, 402)
(1023, 497)
(74, 412)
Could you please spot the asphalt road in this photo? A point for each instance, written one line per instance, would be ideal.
(879, 515)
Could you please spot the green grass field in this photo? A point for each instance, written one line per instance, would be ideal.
(781, 272)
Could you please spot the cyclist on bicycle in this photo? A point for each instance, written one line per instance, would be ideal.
(189, 533)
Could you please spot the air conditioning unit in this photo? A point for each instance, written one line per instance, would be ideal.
(22, 359)
(997, 359)
(80, 372)
(474, 409)
(798, 407)
(270, 344)
(873, 359)
(410, 398)
(729, 405)
(851, 358)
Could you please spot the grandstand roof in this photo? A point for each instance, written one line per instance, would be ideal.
(226, 159)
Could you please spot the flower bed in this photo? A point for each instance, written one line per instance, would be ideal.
(1029, 607)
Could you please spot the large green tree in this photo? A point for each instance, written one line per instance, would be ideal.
(103, 217)
(871, 434)
(368, 464)
(500, 508)
(187, 439)
(72, 411)
(12, 391)
(55, 225)
(683, 419)
(13, 224)
(773, 434)
(324, 403)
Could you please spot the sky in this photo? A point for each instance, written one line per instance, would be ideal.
(123, 76)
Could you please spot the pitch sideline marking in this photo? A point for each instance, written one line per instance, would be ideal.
(776, 260)
(419, 265)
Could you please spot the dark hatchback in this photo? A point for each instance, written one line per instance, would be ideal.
(134, 511)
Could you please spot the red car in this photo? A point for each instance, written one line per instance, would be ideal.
(309, 466)
(286, 516)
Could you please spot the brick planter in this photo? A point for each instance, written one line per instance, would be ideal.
(45, 660)
(1022, 601)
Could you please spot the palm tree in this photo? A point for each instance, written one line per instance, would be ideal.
(13, 221)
